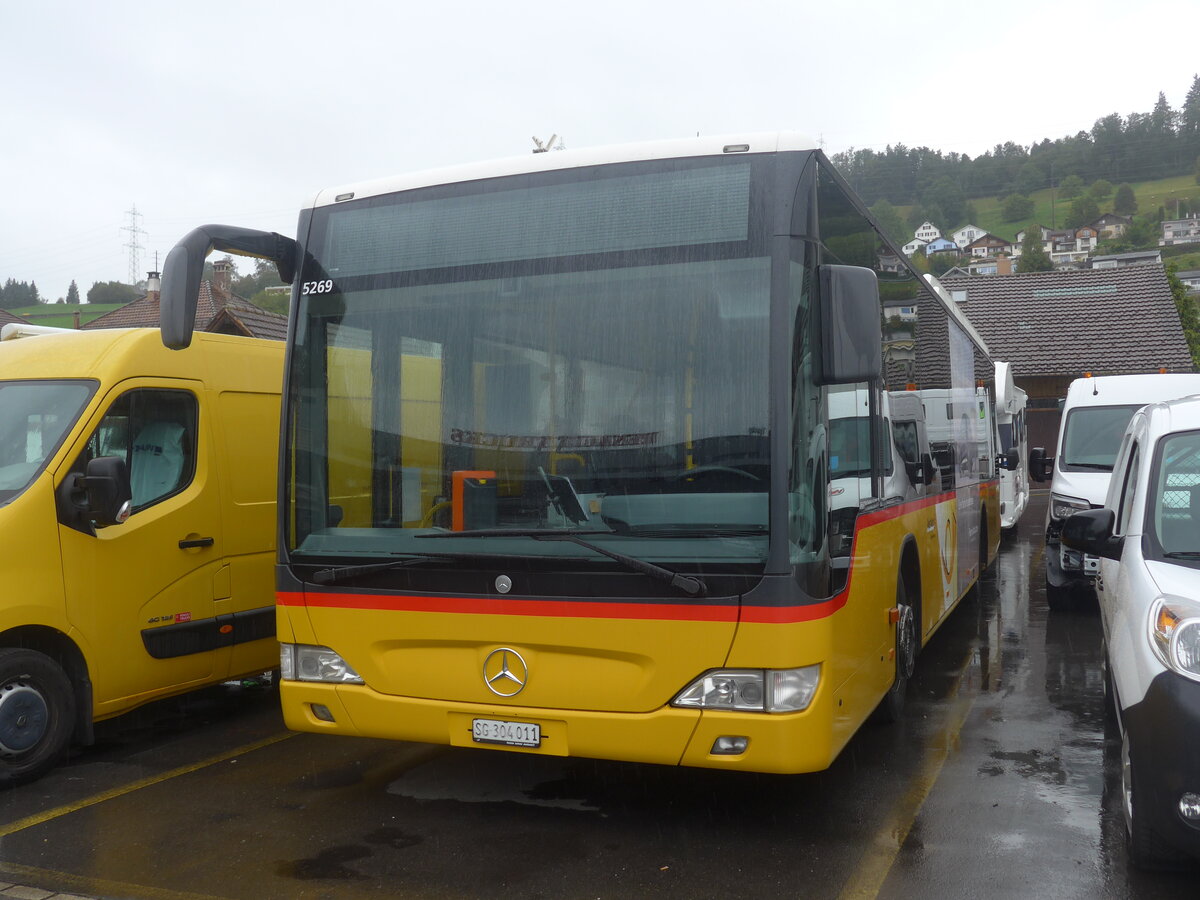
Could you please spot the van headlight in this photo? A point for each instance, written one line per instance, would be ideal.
(1175, 634)
(303, 662)
(752, 690)
(1062, 507)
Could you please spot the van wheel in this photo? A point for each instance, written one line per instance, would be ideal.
(891, 707)
(37, 710)
(1146, 848)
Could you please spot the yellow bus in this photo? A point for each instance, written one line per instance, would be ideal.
(558, 475)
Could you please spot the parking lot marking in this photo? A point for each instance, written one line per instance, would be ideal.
(58, 812)
(881, 852)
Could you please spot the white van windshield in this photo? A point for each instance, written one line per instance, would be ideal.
(34, 416)
(1092, 437)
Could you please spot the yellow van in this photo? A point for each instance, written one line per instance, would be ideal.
(137, 517)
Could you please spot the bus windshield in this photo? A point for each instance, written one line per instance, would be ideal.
(602, 368)
(34, 416)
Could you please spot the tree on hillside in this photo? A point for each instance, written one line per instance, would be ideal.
(111, 292)
(889, 220)
(1125, 203)
(1015, 207)
(1070, 187)
(1030, 178)
(73, 293)
(1034, 257)
(1188, 317)
(1083, 210)
(1100, 190)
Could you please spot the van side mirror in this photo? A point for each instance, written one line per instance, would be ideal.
(102, 496)
(1041, 466)
(851, 330)
(1009, 460)
(922, 472)
(184, 269)
(1091, 530)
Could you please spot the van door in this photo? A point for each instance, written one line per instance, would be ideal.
(142, 593)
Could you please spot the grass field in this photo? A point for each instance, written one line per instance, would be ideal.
(59, 315)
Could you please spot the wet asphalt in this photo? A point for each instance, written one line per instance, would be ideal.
(1000, 782)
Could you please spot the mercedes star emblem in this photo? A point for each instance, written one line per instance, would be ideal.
(505, 672)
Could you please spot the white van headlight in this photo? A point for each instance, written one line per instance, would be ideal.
(303, 662)
(1061, 506)
(752, 690)
(1175, 634)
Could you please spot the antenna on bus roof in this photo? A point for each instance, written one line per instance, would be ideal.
(548, 145)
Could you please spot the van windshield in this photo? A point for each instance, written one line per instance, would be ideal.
(34, 417)
(1092, 437)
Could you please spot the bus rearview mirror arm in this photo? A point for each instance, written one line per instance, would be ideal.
(184, 268)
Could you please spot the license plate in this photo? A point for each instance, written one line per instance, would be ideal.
(512, 734)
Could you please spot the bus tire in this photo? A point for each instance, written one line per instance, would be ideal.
(891, 707)
(37, 714)
(987, 570)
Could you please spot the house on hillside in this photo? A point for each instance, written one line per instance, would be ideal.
(940, 245)
(999, 265)
(1180, 231)
(913, 246)
(965, 235)
(218, 310)
(1110, 225)
(1055, 326)
(1190, 279)
(927, 232)
(1136, 258)
(988, 244)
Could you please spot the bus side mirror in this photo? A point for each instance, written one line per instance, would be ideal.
(184, 269)
(1091, 530)
(1041, 466)
(1009, 460)
(851, 331)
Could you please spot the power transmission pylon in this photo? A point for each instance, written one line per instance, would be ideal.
(135, 260)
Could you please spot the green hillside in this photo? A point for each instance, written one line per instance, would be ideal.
(59, 315)
(1051, 211)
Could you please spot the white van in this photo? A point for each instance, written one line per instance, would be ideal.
(1147, 537)
(1095, 416)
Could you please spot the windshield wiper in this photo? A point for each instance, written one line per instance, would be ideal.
(686, 583)
(341, 573)
(1182, 554)
(755, 531)
(1102, 467)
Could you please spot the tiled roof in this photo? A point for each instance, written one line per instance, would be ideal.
(1105, 321)
(6, 318)
(216, 310)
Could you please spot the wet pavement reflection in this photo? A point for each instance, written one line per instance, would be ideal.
(1001, 781)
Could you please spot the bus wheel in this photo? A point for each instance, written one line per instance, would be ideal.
(891, 708)
(37, 711)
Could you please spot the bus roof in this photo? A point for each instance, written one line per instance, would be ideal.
(770, 142)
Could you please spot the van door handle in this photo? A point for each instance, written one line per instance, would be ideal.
(198, 542)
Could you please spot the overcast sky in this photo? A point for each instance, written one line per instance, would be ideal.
(239, 112)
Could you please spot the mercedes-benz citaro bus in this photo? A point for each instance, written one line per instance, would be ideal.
(556, 464)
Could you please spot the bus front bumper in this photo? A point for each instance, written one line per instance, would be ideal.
(779, 743)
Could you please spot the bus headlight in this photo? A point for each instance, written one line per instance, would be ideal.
(1175, 634)
(752, 690)
(302, 662)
